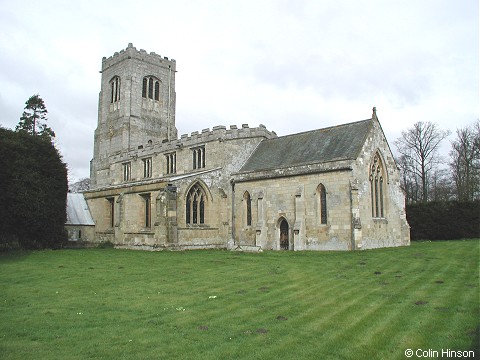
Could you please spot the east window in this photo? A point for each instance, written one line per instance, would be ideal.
(377, 176)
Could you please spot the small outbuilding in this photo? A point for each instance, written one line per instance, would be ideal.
(80, 225)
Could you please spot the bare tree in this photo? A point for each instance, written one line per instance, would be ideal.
(419, 147)
(80, 185)
(441, 186)
(409, 181)
(465, 162)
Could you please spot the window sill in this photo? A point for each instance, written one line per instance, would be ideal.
(380, 220)
(146, 231)
(142, 232)
(197, 227)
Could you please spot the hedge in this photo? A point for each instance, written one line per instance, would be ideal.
(33, 192)
(444, 220)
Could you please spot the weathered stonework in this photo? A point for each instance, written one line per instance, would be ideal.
(213, 189)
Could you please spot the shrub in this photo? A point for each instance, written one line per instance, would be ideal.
(444, 220)
(33, 183)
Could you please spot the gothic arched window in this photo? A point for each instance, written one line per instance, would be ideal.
(151, 88)
(322, 203)
(195, 205)
(115, 89)
(248, 207)
(377, 179)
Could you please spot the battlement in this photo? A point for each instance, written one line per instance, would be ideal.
(131, 52)
(218, 133)
(221, 133)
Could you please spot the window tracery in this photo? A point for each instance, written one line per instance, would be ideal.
(115, 89)
(377, 176)
(151, 88)
(195, 205)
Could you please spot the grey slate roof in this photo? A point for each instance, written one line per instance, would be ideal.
(341, 142)
(77, 210)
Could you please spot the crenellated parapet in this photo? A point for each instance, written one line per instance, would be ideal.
(131, 52)
(136, 138)
(221, 133)
(218, 133)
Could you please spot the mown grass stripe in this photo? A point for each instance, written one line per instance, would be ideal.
(140, 305)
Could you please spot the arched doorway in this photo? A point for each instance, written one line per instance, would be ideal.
(284, 242)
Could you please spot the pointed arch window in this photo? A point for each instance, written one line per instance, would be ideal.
(147, 221)
(115, 89)
(248, 207)
(195, 206)
(377, 179)
(151, 88)
(111, 212)
(322, 203)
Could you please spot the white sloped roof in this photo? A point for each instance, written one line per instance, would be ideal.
(77, 210)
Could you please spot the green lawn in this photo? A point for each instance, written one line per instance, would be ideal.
(120, 304)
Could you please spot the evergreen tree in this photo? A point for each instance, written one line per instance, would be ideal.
(34, 117)
(33, 183)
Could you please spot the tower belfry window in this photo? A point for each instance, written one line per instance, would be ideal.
(157, 90)
(151, 88)
(144, 87)
(115, 90)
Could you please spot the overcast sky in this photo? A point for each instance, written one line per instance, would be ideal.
(291, 65)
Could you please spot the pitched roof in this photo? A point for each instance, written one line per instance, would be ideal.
(77, 210)
(340, 142)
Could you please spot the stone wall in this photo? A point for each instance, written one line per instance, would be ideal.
(225, 152)
(295, 199)
(291, 193)
(392, 229)
(127, 119)
(220, 151)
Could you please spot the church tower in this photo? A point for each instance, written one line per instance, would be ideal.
(136, 105)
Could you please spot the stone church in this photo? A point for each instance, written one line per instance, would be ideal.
(235, 187)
